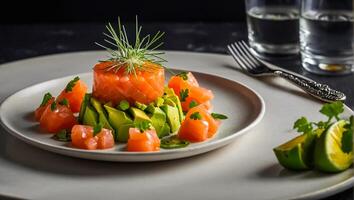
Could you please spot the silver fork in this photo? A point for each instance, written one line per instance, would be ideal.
(253, 66)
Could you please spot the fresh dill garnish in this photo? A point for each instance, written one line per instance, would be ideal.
(131, 57)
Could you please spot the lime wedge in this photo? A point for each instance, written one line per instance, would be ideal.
(296, 154)
(329, 156)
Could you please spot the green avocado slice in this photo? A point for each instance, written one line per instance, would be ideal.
(117, 119)
(84, 104)
(158, 120)
(102, 116)
(139, 115)
(90, 116)
(172, 117)
(123, 131)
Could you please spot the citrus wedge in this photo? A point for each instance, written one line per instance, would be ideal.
(329, 156)
(296, 154)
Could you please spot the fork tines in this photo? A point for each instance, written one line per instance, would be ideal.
(242, 54)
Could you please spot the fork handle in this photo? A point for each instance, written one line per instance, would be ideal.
(318, 90)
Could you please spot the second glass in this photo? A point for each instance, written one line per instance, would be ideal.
(273, 26)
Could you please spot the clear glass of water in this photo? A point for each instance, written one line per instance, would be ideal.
(327, 37)
(273, 26)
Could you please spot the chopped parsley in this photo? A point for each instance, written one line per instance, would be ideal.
(64, 102)
(196, 116)
(71, 84)
(63, 136)
(218, 116)
(46, 98)
(193, 104)
(183, 75)
(183, 94)
(143, 126)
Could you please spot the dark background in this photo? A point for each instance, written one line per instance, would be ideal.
(30, 28)
(59, 11)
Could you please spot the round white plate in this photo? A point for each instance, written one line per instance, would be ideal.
(243, 106)
(245, 169)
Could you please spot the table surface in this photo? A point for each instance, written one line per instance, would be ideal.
(30, 40)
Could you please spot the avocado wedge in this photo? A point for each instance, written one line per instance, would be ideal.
(117, 119)
(102, 116)
(172, 117)
(90, 116)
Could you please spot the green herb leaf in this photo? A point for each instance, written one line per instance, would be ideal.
(183, 94)
(53, 106)
(347, 138)
(193, 104)
(183, 75)
(218, 116)
(303, 125)
(173, 142)
(46, 98)
(142, 125)
(64, 102)
(332, 110)
(124, 105)
(71, 84)
(63, 136)
(196, 116)
(97, 128)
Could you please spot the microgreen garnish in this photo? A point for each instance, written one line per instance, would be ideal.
(183, 75)
(71, 84)
(142, 126)
(64, 102)
(53, 106)
(218, 116)
(63, 136)
(193, 104)
(97, 128)
(124, 105)
(347, 138)
(183, 94)
(46, 98)
(129, 56)
(196, 116)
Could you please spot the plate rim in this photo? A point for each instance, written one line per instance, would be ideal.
(53, 147)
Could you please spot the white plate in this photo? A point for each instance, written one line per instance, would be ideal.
(245, 169)
(243, 106)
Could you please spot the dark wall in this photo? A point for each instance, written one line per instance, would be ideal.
(37, 11)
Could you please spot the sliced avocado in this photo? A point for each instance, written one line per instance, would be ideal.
(165, 130)
(177, 102)
(139, 115)
(158, 119)
(123, 132)
(141, 106)
(170, 94)
(159, 101)
(117, 118)
(84, 104)
(102, 116)
(169, 102)
(172, 117)
(90, 116)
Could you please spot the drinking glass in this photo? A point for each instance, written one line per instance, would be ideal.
(273, 26)
(326, 36)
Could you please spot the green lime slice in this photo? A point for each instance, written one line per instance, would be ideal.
(329, 156)
(296, 154)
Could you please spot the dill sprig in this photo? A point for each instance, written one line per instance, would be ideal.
(128, 56)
